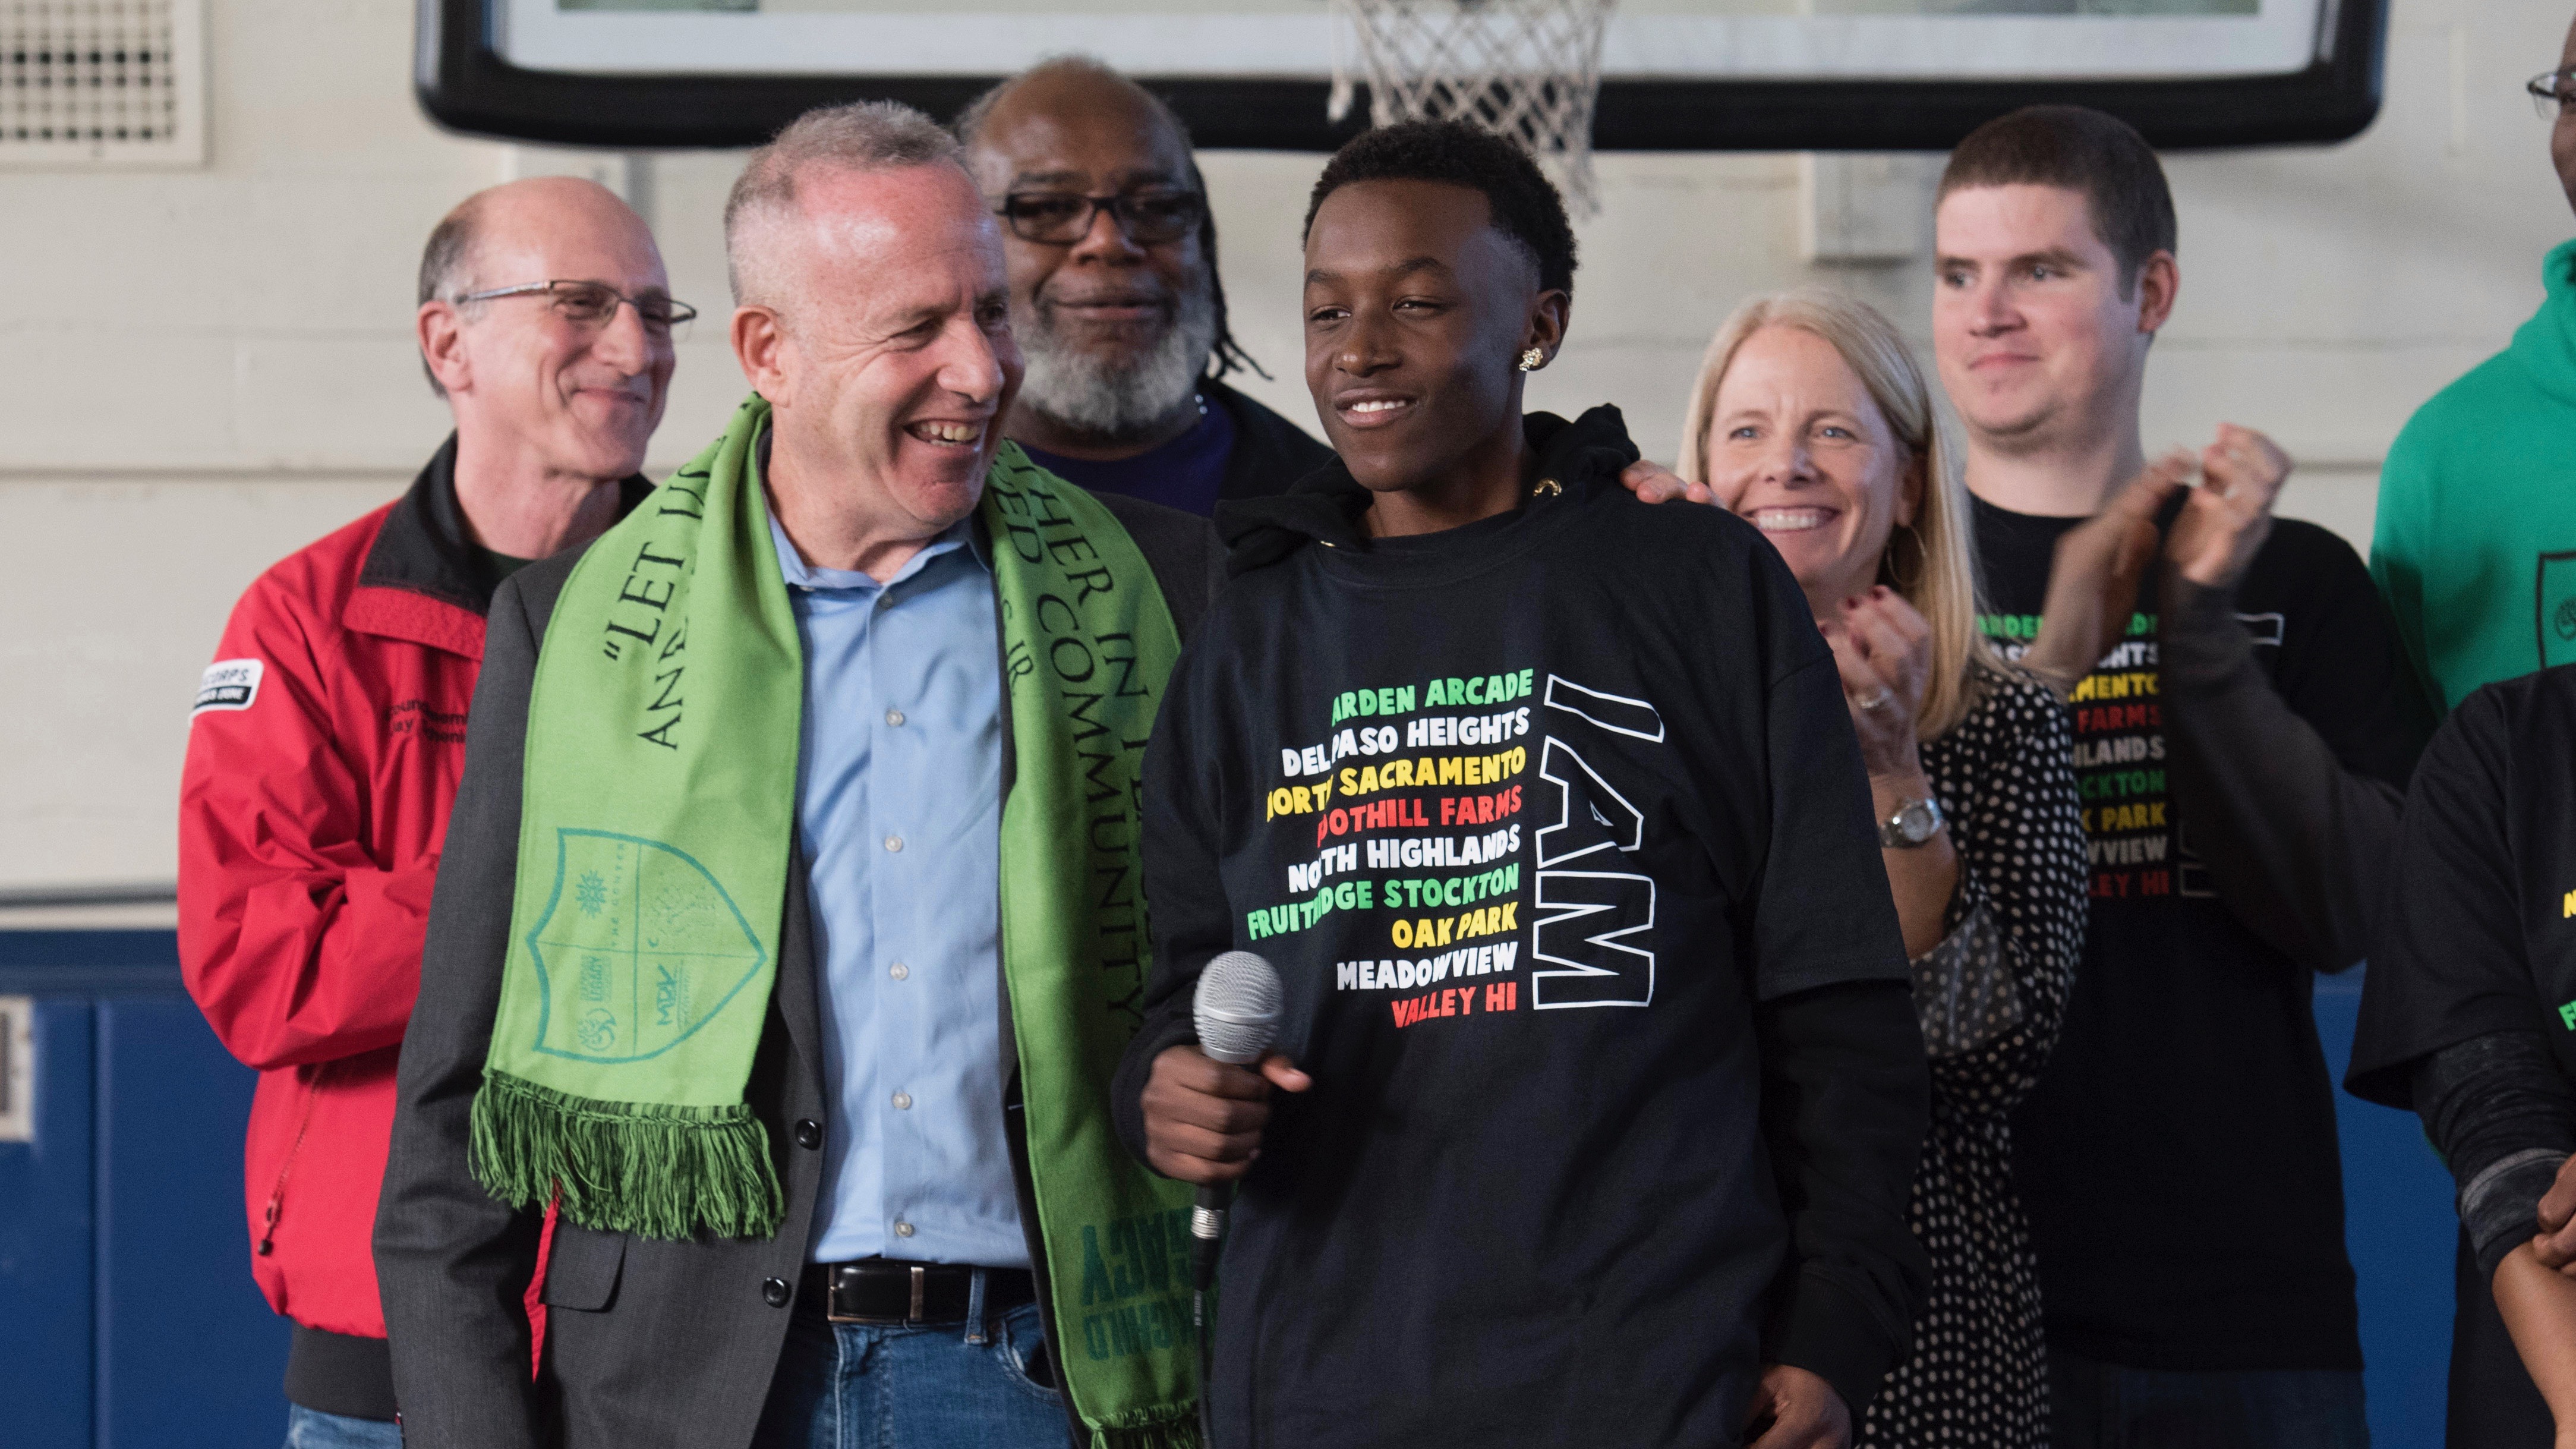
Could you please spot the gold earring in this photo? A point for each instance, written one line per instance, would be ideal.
(1533, 360)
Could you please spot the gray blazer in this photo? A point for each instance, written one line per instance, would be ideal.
(648, 1342)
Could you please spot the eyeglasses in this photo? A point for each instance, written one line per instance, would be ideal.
(2552, 91)
(1061, 218)
(595, 304)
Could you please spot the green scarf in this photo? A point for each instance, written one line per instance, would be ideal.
(659, 810)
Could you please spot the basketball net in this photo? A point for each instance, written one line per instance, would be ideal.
(1527, 69)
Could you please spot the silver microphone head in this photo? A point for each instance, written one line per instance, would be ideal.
(1237, 1007)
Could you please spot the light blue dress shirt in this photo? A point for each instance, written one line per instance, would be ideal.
(898, 809)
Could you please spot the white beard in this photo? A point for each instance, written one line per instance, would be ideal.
(1114, 401)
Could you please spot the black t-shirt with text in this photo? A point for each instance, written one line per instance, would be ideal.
(2178, 1158)
(1532, 816)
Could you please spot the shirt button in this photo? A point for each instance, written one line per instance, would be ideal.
(898, 971)
(903, 1101)
(809, 1133)
(773, 1291)
(894, 717)
(901, 1230)
(894, 842)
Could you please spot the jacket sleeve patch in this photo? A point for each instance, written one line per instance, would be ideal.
(229, 684)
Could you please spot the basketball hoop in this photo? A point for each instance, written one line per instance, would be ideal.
(1527, 69)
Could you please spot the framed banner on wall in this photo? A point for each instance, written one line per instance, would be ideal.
(1693, 75)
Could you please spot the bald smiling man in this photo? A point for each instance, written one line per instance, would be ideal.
(329, 735)
(1115, 297)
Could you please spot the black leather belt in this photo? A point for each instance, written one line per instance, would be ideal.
(892, 1291)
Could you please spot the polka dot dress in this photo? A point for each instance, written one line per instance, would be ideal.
(1992, 996)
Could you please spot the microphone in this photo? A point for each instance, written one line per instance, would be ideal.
(1236, 1008)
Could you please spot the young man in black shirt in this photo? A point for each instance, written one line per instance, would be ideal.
(1599, 1085)
(2470, 1020)
(2243, 739)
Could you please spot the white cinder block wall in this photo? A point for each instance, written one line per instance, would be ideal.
(201, 370)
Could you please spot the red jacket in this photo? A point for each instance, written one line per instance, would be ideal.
(323, 755)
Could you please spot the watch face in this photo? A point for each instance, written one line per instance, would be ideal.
(1917, 821)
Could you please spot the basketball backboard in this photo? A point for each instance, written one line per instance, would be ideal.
(1676, 74)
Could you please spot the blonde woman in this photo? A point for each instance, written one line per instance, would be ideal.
(1811, 420)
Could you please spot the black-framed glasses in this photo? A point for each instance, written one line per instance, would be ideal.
(2552, 91)
(595, 304)
(1061, 218)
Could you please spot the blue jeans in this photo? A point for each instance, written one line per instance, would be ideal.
(313, 1429)
(2104, 1406)
(952, 1386)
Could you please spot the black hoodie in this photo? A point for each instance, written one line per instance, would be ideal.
(1555, 829)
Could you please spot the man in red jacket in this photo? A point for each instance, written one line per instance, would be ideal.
(329, 734)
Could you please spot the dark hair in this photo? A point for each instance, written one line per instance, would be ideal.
(1524, 202)
(2082, 150)
(1227, 356)
(442, 266)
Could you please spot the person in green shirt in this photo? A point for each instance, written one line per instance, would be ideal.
(2476, 541)
(2476, 553)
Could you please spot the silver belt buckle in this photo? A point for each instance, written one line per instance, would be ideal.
(920, 1281)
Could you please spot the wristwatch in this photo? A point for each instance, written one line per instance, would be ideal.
(1914, 822)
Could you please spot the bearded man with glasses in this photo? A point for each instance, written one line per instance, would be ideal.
(329, 736)
(1115, 298)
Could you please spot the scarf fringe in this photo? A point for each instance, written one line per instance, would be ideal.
(626, 1167)
(1169, 1433)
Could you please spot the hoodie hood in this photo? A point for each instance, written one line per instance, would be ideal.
(2545, 346)
(1327, 506)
